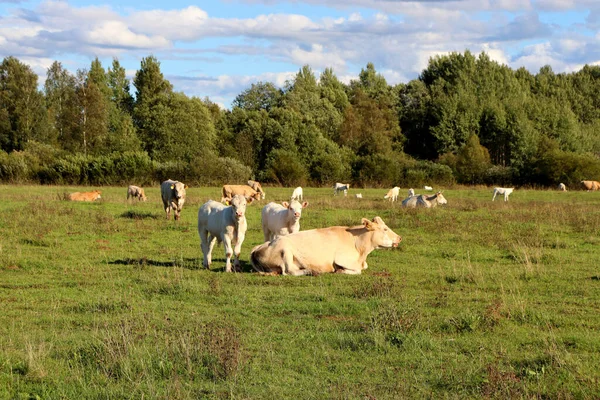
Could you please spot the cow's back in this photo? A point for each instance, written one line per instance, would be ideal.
(210, 217)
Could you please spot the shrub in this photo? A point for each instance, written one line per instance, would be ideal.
(212, 170)
(13, 167)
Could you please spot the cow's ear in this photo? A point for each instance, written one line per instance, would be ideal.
(285, 204)
(185, 186)
(172, 187)
(305, 204)
(249, 199)
(377, 220)
(367, 224)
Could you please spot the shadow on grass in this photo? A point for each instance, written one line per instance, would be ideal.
(188, 263)
(131, 214)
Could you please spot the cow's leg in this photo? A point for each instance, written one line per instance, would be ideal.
(211, 244)
(266, 233)
(289, 267)
(206, 248)
(237, 249)
(168, 212)
(228, 252)
(494, 197)
(348, 271)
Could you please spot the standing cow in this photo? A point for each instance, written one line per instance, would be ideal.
(136, 192)
(173, 197)
(504, 191)
(590, 185)
(341, 187)
(219, 223)
(392, 194)
(297, 194)
(280, 220)
(562, 187)
(256, 186)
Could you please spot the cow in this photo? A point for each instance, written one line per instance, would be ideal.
(136, 192)
(429, 188)
(231, 190)
(220, 223)
(358, 195)
(341, 187)
(297, 194)
(505, 191)
(411, 192)
(340, 249)
(421, 200)
(85, 196)
(281, 219)
(256, 186)
(562, 187)
(590, 185)
(173, 197)
(392, 194)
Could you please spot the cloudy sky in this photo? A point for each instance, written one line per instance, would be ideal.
(217, 48)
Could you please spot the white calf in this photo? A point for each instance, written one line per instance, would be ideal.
(297, 194)
(280, 220)
(505, 191)
(217, 222)
(562, 186)
(427, 188)
(392, 194)
(341, 187)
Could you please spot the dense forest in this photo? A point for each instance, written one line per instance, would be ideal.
(466, 119)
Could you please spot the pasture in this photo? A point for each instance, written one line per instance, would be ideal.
(481, 299)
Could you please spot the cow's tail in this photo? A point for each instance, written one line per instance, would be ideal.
(257, 256)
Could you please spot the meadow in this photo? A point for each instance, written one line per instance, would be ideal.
(482, 299)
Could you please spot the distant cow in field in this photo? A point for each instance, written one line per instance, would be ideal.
(335, 249)
(427, 188)
(297, 194)
(85, 196)
(256, 186)
(562, 187)
(392, 194)
(341, 187)
(411, 192)
(173, 197)
(504, 191)
(358, 195)
(590, 185)
(219, 223)
(136, 192)
(244, 190)
(421, 200)
(281, 219)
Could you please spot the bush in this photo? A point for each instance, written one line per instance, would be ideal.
(13, 167)
(284, 168)
(212, 170)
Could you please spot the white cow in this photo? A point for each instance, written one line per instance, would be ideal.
(173, 196)
(392, 194)
(335, 249)
(358, 195)
(505, 191)
(562, 186)
(219, 223)
(411, 192)
(280, 220)
(427, 188)
(421, 200)
(136, 192)
(341, 187)
(297, 194)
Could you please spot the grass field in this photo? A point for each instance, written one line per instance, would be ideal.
(108, 300)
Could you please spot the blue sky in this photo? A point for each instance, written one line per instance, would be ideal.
(219, 48)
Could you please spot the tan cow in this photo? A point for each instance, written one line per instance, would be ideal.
(256, 186)
(85, 196)
(590, 185)
(136, 192)
(173, 197)
(244, 190)
(392, 194)
(335, 249)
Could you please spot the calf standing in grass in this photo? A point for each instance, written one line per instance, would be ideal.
(341, 187)
(505, 191)
(280, 220)
(136, 192)
(173, 197)
(297, 194)
(219, 223)
(392, 194)
(562, 187)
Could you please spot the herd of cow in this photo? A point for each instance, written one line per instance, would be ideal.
(286, 249)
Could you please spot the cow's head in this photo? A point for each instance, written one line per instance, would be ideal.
(382, 235)
(143, 195)
(254, 196)
(238, 205)
(441, 199)
(97, 194)
(295, 208)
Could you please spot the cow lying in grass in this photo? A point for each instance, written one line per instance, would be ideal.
(85, 196)
(335, 249)
(421, 200)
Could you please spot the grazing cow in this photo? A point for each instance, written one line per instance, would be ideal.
(297, 194)
(392, 194)
(256, 186)
(136, 192)
(411, 192)
(505, 191)
(562, 187)
(421, 200)
(590, 185)
(341, 187)
(280, 220)
(358, 195)
(231, 190)
(173, 197)
(219, 223)
(335, 249)
(427, 188)
(85, 196)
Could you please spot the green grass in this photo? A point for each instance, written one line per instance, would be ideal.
(109, 300)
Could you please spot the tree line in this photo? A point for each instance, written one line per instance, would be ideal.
(465, 119)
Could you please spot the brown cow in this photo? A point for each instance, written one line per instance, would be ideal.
(85, 196)
(231, 190)
(590, 185)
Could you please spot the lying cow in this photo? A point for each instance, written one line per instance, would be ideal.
(429, 188)
(297, 194)
(504, 191)
(173, 197)
(136, 192)
(85, 196)
(590, 185)
(280, 220)
(562, 187)
(256, 186)
(392, 194)
(341, 187)
(335, 249)
(218, 223)
(231, 190)
(358, 195)
(421, 200)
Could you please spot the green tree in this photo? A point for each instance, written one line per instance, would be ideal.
(62, 105)
(472, 160)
